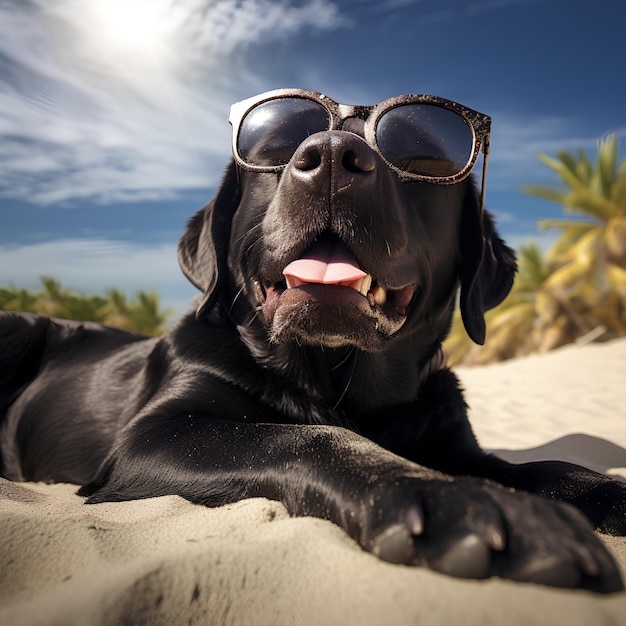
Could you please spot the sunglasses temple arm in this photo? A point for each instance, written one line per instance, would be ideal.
(483, 185)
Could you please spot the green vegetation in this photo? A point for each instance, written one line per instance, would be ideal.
(577, 289)
(142, 314)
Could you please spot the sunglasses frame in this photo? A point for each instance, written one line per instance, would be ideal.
(479, 123)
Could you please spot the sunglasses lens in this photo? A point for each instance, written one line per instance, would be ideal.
(425, 139)
(272, 131)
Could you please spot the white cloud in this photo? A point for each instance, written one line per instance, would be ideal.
(516, 142)
(94, 265)
(229, 25)
(84, 117)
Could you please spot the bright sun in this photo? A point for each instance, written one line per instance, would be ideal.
(131, 23)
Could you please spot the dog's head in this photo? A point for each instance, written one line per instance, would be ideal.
(338, 248)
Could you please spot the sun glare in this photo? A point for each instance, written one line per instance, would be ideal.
(131, 23)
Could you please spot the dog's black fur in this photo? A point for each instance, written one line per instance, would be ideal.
(315, 396)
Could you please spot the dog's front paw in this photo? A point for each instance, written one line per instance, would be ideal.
(474, 529)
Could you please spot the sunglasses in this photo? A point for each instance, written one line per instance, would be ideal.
(420, 137)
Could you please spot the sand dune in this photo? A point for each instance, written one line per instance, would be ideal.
(165, 561)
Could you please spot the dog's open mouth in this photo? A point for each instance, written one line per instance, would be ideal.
(327, 298)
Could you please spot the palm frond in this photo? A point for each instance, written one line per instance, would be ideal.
(606, 168)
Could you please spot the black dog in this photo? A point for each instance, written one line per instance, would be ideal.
(327, 394)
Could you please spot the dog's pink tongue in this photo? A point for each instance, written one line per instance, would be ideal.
(325, 263)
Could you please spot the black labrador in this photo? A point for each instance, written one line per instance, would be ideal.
(311, 369)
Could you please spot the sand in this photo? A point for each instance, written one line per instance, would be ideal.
(166, 561)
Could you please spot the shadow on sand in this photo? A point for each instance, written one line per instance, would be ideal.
(586, 450)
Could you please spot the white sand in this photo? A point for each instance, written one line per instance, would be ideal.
(165, 561)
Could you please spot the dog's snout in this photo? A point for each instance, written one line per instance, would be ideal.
(333, 153)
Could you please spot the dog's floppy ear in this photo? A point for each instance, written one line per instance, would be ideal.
(203, 249)
(488, 267)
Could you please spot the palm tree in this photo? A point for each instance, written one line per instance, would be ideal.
(579, 287)
(518, 325)
(590, 253)
(142, 315)
(145, 316)
(85, 308)
(53, 299)
(17, 300)
(115, 310)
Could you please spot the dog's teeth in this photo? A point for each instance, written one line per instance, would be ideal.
(292, 282)
(366, 283)
(380, 295)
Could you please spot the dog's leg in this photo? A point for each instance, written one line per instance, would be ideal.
(398, 510)
(601, 498)
(436, 432)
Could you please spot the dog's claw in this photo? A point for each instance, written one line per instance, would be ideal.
(495, 536)
(415, 520)
(587, 562)
(395, 545)
(468, 558)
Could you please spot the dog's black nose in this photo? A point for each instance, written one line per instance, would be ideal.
(333, 155)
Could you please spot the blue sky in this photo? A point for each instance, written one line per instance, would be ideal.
(113, 113)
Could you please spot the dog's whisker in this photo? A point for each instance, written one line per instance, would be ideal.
(343, 393)
(252, 245)
(258, 311)
(248, 230)
(348, 355)
(232, 305)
